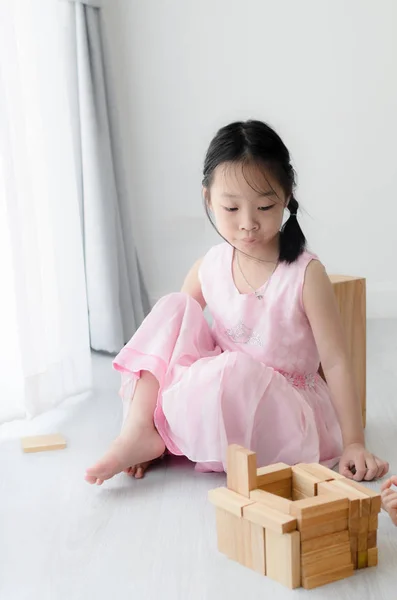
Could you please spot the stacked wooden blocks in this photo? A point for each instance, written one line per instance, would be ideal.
(301, 526)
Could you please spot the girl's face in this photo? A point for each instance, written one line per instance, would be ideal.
(247, 204)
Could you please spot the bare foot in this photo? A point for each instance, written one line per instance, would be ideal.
(142, 445)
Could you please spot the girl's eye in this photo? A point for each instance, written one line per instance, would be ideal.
(230, 209)
(264, 208)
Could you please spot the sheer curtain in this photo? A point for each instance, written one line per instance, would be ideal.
(44, 344)
(116, 296)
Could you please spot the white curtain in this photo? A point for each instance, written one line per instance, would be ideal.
(116, 296)
(44, 343)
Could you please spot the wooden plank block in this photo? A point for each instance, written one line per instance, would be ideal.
(283, 558)
(350, 294)
(317, 531)
(269, 518)
(304, 482)
(228, 501)
(338, 561)
(234, 537)
(362, 559)
(326, 553)
(326, 541)
(241, 470)
(314, 581)
(320, 520)
(272, 473)
(279, 488)
(373, 523)
(42, 443)
(344, 492)
(271, 500)
(362, 542)
(372, 539)
(354, 549)
(319, 505)
(321, 472)
(372, 557)
(298, 495)
(375, 502)
(258, 549)
(358, 525)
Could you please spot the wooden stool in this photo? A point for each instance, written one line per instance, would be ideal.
(350, 294)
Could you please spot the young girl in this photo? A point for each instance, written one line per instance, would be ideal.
(252, 379)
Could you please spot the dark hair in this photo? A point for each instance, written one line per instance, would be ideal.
(254, 142)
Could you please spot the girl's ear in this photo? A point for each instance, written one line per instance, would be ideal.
(206, 196)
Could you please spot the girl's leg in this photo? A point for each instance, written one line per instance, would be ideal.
(138, 441)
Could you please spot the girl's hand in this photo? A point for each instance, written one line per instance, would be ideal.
(359, 464)
(389, 498)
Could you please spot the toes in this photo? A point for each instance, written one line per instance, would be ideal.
(90, 478)
(99, 481)
(139, 473)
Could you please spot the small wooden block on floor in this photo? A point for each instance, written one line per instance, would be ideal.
(283, 558)
(362, 559)
(41, 443)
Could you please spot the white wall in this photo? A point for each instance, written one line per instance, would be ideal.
(322, 73)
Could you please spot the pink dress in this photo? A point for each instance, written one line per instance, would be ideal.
(250, 379)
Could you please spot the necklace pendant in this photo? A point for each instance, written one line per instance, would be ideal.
(259, 296)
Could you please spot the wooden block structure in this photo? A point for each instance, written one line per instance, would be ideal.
(350, 293)
(303, 525)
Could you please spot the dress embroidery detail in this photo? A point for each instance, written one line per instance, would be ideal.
(241, 334)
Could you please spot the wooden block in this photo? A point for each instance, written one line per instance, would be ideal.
(279, 488)
(41, 443)
(344, 492)
(362, 559)
(375, 503)
(283, 558)
(358, 525)
(314, 581)
(362, 542)
(234, 537)
(272, 473)
(258, 549)
(317, 531)
(320, 471)
(320, 520)
(373, 523)
(372, 540)
(269, 518)
(298, 495)
(311, 558)
(319, 505)
(271, 500)
(241, 470)
(338, 561)
(229, 501)
(372, 557)
(350, 294)
(304, 482)
(354, 549)
(327, 541)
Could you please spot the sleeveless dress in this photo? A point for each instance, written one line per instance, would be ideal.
(251, 378)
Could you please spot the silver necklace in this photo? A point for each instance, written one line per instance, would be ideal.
(258, 294)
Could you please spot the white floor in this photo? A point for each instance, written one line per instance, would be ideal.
(61, 539)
